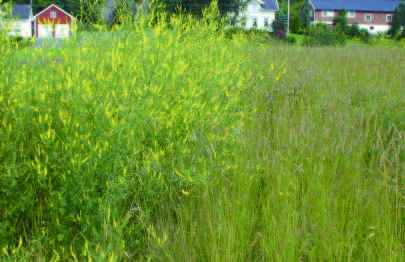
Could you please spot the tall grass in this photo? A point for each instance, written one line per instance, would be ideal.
(318, 174)
(175, 143)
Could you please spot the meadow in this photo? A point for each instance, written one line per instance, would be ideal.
(177, 144)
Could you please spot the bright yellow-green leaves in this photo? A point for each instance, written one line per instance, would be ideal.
(120, 119)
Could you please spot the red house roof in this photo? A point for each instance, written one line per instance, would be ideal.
(57, 7)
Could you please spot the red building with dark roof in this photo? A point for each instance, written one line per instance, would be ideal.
(53, 22)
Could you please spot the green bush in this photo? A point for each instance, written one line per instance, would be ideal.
(320, 35)
(342, 20)
(301, 31)
(89, 152)
(365, 35)
(230, 33)
(19, 42)
(280, 23)
(290, 40)
(354, 30)
(340, 35)
(377, 39)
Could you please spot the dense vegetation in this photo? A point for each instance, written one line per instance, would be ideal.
(181, 143)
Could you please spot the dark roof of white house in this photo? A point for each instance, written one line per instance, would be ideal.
(18, 11)
(357, 5)
(270, 4)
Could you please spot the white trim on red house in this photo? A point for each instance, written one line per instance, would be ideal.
(327, 13)
(351, 12)
(365, 18)
(57, 7)
(386, 18)
(60, 9)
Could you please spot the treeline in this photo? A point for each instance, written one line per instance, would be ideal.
(91, 10)
(81, 9)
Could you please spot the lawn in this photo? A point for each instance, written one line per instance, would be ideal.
(180, 145)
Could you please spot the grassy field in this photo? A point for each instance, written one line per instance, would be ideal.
(378, 42)
(179, 145)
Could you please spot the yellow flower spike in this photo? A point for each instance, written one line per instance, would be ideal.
(5, 251)
(184, 192)
(19, 242)
(177, 172)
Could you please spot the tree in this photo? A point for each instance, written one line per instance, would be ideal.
(305, 9)
(196, 7)
(280, 23)
(398, 20)
(342, 20)
(340, 34)
(354, 30)
(296, 24)
(73, 7)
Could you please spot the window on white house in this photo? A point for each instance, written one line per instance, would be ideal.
(388, 18)
(254, 24)
(351, 14)
(255, 7)
(17, 28)
(371, 27)
(327, 13)
(367, 17)
(53, 14)
(266, 22)
(243, 22)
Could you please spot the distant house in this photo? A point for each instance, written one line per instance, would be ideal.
(16, 20)
(373, 15)
(53, 22)
(258, 14)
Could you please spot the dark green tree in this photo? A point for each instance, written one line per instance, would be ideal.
(398, 20)
(195, 7)
(296, 24)
(340, 35)
(280, 23)
(342, 20)
(305, 16)
(354, 30)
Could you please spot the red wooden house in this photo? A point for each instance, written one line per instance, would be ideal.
(372, 15)
(53, 22)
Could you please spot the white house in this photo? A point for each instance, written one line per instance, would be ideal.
(258, 14)
(16, 19)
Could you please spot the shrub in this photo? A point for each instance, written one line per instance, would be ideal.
(365, 35)
(296, 24)
(354, 30)
(19, 42)
(398, 20)
(301, 31)
(280, 23)
(376, 39)
(320, 35)
(280, 34)
(342, 20)
(290, 39)
(340, 35)
(399, 35)
(230, 33)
